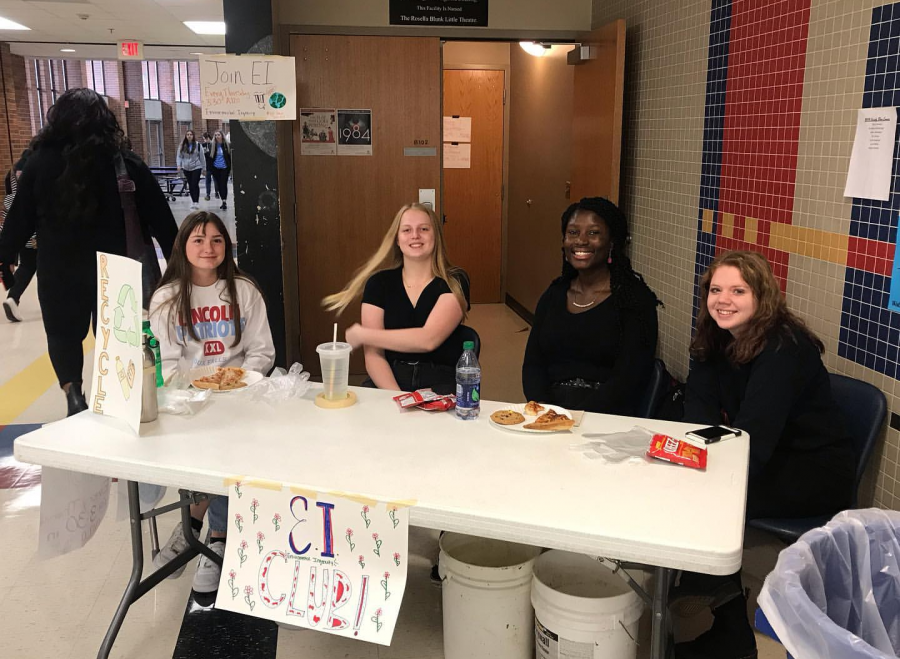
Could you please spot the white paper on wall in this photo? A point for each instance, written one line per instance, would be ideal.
(872, 159)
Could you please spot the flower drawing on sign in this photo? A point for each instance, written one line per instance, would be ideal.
(384, 584)
(365, 515)
(242, 551)
(239, 521)
(232, 575)
(276, 520)
(378, 544)
(237, 489)
(349, 537)
(362, 561)
(248, 593)
(253, 506)
(259, 540)
(396, 558)
(376, 620)
(393, 515)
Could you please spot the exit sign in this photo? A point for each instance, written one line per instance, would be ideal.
(131, 50)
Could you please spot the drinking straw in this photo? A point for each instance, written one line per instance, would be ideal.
(333, 364)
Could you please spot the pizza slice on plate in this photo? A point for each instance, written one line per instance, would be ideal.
(550, 420)
(212, 381)
(533, 409)
(231, 378)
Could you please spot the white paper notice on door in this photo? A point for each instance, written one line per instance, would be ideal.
(873, 154)
(457, 129)
(457, 156)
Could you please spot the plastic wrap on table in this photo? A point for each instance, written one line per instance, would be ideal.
(282, 385)
(835, 593)
(630, 445)
(187, 401)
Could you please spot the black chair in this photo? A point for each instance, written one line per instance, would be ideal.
(466, 333)
(656, 385)
(863, 409)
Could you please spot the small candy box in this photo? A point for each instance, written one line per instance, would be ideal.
(663, 447)
(415, 398)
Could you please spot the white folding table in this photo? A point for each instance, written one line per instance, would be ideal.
(463, 476)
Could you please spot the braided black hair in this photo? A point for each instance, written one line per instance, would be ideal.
(627, 287)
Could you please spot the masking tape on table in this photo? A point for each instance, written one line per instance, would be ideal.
(315, 494)
(254, 482)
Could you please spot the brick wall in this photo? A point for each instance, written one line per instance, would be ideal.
(112, 74)
(133, 90)
(171, 139)
(15, 113)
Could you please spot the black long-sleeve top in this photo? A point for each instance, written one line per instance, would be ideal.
(782, 398)
(67, 246)
(609, 344)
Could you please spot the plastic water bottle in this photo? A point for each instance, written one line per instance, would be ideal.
(468, 383)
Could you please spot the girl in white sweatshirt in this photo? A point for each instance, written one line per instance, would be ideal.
(206, 312)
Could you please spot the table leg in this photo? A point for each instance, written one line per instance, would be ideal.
(659, 644)
(137, 568)
(194, 543)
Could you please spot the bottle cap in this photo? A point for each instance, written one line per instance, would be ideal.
(468, 345)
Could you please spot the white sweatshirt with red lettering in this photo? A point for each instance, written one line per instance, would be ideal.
(213, 320)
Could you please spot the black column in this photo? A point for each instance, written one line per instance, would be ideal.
(248, 29)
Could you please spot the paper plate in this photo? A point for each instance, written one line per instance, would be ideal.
(519, 427)
(250, 378)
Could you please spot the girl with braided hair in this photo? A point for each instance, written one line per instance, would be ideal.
(594, 335)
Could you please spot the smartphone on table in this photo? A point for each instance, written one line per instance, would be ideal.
(713, 434)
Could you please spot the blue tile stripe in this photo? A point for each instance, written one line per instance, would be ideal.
(870, 333)
(713, 131)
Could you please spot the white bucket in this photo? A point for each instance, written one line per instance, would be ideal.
(582, 610)
(487, 608)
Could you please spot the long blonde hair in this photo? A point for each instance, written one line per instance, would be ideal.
(388, 256)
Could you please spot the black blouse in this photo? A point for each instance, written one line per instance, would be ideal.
(605, 344)
(385, 290)
(782, 398)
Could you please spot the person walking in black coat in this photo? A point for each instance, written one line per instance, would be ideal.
(69, 193)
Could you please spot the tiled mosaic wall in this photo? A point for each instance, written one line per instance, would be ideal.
(739, 122)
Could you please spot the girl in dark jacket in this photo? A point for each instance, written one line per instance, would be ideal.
(69, 195)
(220, 154)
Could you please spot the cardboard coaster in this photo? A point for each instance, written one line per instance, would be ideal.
(324, 403)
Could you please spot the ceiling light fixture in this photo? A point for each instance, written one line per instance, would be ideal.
(200, 54)
(6, 24)
(67, 50)
(535, 48)
(206, 27)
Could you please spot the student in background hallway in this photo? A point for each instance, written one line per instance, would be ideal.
(191, 161)
(28, 256)
(595, 328)
(206, 145)
(221, 166)
(758, 367)
(69, 194)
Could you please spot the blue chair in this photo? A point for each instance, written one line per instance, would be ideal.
(764, 627)
(466, 333)
(656, 385)
(863, 409)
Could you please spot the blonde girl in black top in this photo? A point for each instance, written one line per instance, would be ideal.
(414, 301)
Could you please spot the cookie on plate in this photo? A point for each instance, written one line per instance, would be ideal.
(507, 417)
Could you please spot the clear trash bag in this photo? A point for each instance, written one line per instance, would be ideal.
(835, 593)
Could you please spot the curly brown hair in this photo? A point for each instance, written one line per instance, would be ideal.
(772, 315)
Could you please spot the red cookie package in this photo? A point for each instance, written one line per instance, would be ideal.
(663, 447)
